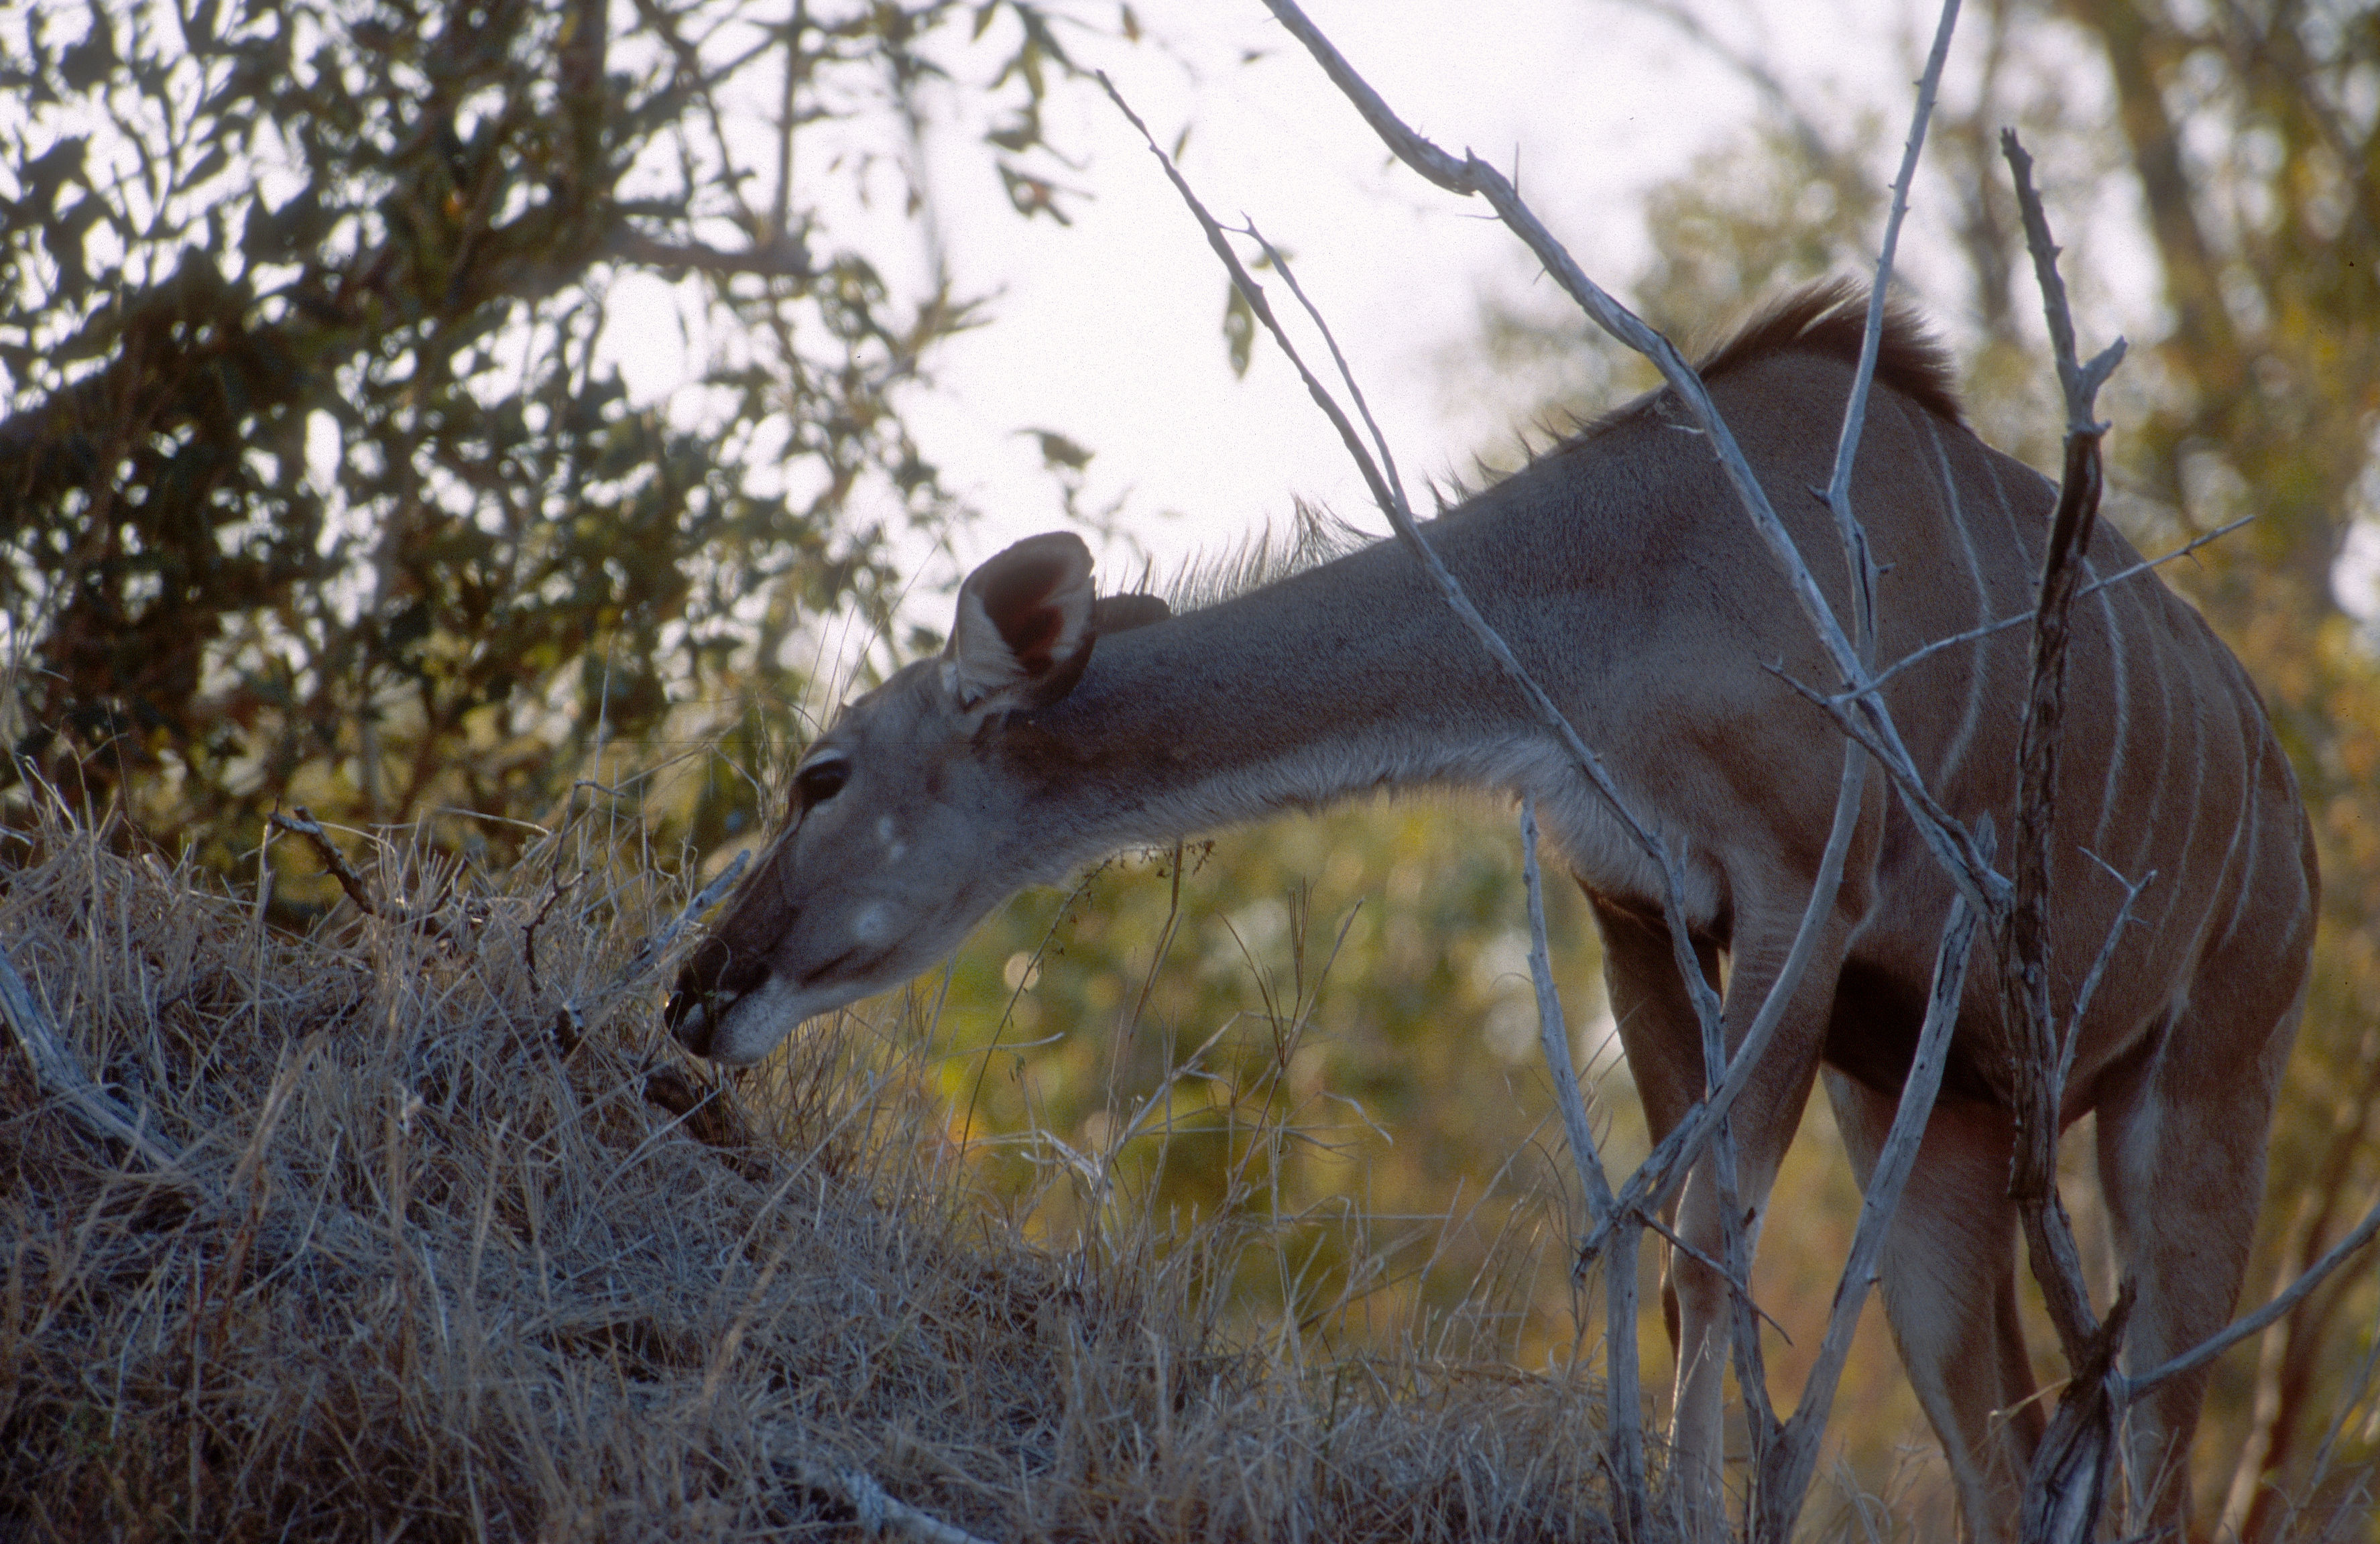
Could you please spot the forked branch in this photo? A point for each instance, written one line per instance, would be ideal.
(2064, 1493)
(1952, 844)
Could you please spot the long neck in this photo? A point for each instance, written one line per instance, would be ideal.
(1348, 678)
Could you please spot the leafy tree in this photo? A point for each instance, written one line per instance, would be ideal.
(316, 484)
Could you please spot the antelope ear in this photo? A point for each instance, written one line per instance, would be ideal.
(1024, 631)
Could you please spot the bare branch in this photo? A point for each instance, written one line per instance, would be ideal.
(1553, 1034)
(56, 1071)
(2295, 1292)
(1951, 842)
(1783, 1482)
(2090, 987)
(302, 824)
(2028, 1018)
(2078, 382)
(1976, 635)
(2069, 1483)
(1837, 495)
(1622, 1398)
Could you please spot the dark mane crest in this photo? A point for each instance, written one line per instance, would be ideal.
(1830, 318)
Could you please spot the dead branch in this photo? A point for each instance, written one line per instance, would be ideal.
(2024, 619)
(1837, 494)
(2030, 1022)
(1952, 844)
(1553, 1034)
(2067, 1485)
(301, 822)
(57, 1073)
(2090, 987)
(1624, 1423)
(2064, 1494)
(1783, 1479)
(2279, 1308)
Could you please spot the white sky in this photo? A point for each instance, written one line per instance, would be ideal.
(1108, 331)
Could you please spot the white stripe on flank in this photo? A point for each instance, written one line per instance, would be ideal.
(2252, 761)
(1977, 678)
(2120, 691)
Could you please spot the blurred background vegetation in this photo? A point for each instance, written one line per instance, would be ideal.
(314, 490)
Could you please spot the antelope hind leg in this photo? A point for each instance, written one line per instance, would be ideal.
(2182, 1161)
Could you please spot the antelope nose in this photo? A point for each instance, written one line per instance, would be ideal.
(688, 1018)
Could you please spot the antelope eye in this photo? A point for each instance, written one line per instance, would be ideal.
(821, 781)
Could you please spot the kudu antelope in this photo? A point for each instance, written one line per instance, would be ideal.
(1057, 728)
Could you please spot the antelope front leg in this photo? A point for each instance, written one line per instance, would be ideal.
(1663, 1041)
(1763, 1121)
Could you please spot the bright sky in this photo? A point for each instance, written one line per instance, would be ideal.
(1108, 331)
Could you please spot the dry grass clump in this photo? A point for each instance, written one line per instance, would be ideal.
(437, 1237)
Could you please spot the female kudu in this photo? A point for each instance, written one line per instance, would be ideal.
(1057, 728)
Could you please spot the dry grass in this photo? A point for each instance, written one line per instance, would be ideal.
(463, 1250)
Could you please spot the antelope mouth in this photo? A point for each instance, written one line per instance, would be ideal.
(689, 1019)
(740, 1027)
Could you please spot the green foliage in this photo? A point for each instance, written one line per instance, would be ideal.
(316, 482)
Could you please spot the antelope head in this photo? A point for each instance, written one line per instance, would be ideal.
(907, 817)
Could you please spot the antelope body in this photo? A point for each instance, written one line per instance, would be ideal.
(1058, 728)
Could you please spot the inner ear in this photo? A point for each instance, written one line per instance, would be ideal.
(1019, 597)
(1024, 630)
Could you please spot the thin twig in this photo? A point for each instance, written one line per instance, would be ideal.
(1623, 1422)
(2024, 619)
(1553, 1035)
(653, 948)
(1837, 494)
(2091, 978)
(2295, 1292)
(301, 822)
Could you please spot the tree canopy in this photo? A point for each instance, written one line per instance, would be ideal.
(318, 483)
